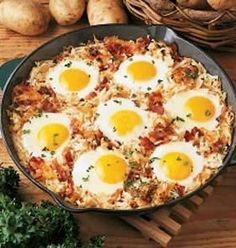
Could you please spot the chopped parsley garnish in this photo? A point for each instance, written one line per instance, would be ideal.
(117, 101)
(39, 114)
(85, 179)
(43, 155)
(125, 76)
(189, 115)
(52, 152)
(207, 113)
(114, 129)
(178, 158)
(159, 81)
(128, 183)
(149, 88)
(153, 61)
(177, 118)
(68, 64)
(90, 168)
(45, 149)
(153, 159)
(131, 59)
(133, 164)
(26, 131)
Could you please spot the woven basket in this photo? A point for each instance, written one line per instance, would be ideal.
(212, 29)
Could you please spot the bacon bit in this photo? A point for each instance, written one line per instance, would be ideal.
(24, 94)
(180, 189)
(190, 135)
(143, 42)
(62, 173)
(146, 143)
(58, 58)
(148, 195)
(174, 53)
(93, 52)
(161, 132)
(75, 126)
(133, 204)
(35, 167)
(218, 146)
(68, 157)
(103, 84)
(115, 196)
(69, 189)
(47, 91)
(185, 75)
(51, 105)
(155, 103)
(91, 95)
(148, 172)
(118, 47)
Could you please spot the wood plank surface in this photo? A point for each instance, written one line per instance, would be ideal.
(212, 226)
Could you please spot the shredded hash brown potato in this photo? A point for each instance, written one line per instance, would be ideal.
(140, 188)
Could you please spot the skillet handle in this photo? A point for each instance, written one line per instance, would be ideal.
(6, 70)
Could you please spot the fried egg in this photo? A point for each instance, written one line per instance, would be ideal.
(100, 171)
(74, 76)
(195, 108)
(46, 135)
(119, 119)
(142, 72)
(176, 162)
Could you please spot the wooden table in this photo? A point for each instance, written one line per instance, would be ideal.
(213, 225)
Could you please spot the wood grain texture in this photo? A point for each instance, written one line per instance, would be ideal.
(212, 226)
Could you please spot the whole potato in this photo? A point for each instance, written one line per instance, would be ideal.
(26, 17)
(67, 12)
(106, 11)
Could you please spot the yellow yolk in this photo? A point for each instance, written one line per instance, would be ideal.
(125, 121)
(52, 136)
(142, 71)
(176, 165)
(74, 79)
(200, 108)
(111, 168)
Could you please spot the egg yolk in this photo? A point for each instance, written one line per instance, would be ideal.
(200, 108)
(52, 136)
(74, 79)
(111, 168)
(142, 71)
(176, 165)
(125, 121)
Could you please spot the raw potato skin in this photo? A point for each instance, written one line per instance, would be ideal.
(222, 4)
(194, 4)
(106, 11)
(67, 12)
(26, 17)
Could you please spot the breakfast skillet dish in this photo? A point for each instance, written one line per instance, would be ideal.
(120, 124)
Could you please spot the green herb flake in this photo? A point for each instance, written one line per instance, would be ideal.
(68, 64)
(85, 179)
(177, 118)
(207, 112)
(26, 131)
(154, 159)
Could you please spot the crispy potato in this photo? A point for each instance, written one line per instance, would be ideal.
(67, 12)
(106, 11)
(222, 4)
(194, 4)
(26, 17)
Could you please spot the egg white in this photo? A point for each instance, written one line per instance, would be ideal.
(107, 109)
(84, 173)
(122, 77)
(30, 131)
(54, 75)
(175, 106)
(182, 147)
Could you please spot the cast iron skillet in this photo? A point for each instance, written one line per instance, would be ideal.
(53, 47)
